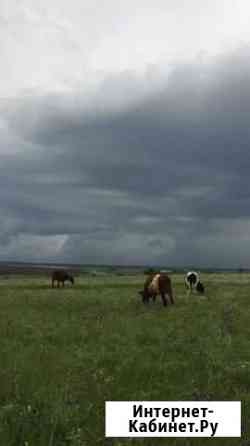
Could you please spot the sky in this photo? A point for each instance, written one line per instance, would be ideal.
(125, 132)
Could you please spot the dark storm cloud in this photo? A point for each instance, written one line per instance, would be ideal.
(131, 177)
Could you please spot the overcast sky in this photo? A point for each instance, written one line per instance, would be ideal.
(125, 132)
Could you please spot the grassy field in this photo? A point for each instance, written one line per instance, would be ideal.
(64, 352)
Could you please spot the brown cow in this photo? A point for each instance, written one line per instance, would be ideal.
(61, 276)
(157, 283)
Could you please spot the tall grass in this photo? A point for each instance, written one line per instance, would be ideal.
(64, 352)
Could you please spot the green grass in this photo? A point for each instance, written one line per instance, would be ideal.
(64, 352)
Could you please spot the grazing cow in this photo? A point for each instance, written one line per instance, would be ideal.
(61, 276)
(158, 283)
(192, 281)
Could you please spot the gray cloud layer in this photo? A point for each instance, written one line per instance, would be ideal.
(137, 172)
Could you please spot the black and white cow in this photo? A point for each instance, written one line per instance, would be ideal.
(192, 281)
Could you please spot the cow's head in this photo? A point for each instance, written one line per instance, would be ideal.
(71, 279)
(144, 295)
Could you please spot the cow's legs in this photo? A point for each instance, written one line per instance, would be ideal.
(170, 294)
(146, 297)
(164, 300)
(190, 289)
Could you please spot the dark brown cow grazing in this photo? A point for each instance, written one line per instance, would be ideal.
(157, 283)
(61, 276)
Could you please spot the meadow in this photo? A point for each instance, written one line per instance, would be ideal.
(64, 352)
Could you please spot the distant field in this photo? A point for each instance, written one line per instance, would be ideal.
(64, 352)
